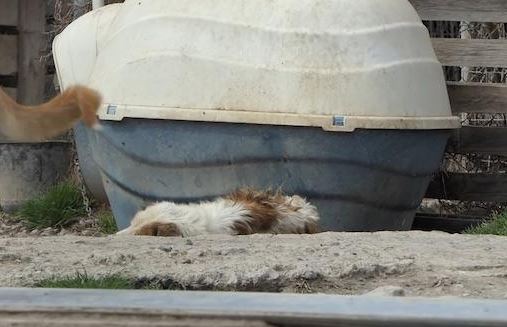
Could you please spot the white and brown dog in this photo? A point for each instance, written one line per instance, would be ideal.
(240, 213)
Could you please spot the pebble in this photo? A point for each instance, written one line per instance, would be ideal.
(87, 233)
(166, 248)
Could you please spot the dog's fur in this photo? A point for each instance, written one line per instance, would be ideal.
(242, 212)
(37, 123)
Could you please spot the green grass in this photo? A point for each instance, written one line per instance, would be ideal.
(82, 280)
(496, 226)
(106, 222)
(58, 207)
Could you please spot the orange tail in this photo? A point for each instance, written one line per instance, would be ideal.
(36, 123)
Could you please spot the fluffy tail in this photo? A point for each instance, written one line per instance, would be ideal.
(36, 123)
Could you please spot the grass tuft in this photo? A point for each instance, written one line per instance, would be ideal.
(82, 280)
(106, 222)
(496, 226)
(55, 208)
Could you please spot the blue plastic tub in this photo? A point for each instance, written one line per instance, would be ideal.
(367, 180)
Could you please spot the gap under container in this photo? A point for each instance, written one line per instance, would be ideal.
(341, 101)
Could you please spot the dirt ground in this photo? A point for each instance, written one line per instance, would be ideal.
(85, 226)
(410, 263)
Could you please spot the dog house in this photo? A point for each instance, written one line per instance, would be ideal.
(341, 101)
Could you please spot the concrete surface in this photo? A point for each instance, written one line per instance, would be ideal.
(419, 263)
(28, 169)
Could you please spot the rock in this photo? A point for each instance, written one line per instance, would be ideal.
(189, 242)
(387, 291)
(166, 248)
(16, 228)
(87, 233)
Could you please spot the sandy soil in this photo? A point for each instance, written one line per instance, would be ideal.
(413, 263)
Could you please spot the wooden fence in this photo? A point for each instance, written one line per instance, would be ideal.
(8, 45)
(471, 97)
(23, 45)
(26, 27)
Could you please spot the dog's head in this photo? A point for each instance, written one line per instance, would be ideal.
(154, 221)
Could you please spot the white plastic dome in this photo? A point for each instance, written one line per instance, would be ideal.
(338, 64)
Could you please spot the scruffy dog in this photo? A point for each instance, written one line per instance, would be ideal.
(37, 123)
(243, 212)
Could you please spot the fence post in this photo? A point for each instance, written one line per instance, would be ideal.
(31, 45)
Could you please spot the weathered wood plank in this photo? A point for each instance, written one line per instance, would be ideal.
(31, 45)
(9, 12)
(65, 319)
(289, 310)
(8, 54)
(485, 140)
(471, 52)
(469, 187)
(477, 97)
(458, 10)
